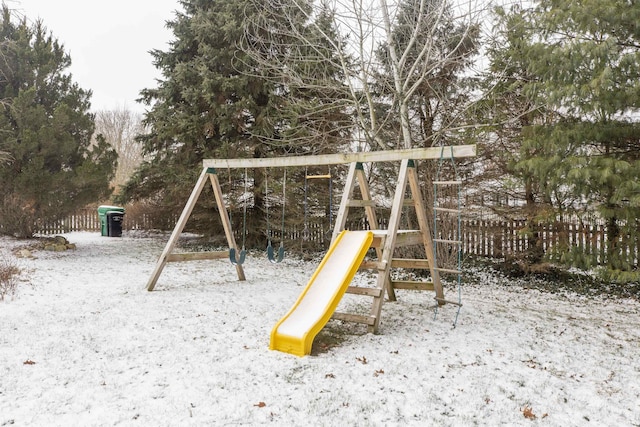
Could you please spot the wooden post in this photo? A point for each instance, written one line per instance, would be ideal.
(370, 210)
(224, 216)
(173, 239)
(340, 158)
(347, 193)
(423, 223)
(383, 281)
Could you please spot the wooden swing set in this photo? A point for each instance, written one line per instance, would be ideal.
(385, 241)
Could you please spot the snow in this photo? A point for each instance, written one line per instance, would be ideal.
(83, 343)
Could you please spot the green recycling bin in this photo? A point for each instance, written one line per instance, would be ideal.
(110, 220)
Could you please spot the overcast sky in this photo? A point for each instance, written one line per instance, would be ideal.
(109, 43)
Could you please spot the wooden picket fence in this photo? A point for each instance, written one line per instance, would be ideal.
(88, 220)
(500, 238)
(487, 238)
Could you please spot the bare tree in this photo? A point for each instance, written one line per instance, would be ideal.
(119, 128)
(394, 58)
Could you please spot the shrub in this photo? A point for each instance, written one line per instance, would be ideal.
(8, 278)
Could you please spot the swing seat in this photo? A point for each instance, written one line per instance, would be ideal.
(234, 260)
(271, 254)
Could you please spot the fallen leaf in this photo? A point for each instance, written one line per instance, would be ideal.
(28, 362)
(260, 404)
(528, 413)
(378, 372)
(362, 360)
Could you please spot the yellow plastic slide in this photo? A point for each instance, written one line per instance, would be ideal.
(294, 333)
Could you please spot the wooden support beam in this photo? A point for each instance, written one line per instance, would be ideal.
(421, 213)
(449, 210)
(403, 238)
(224, 217)
(420, 264)
(447, 182)
(452, 242)
(173, 239)
(372, 265)
(384, 280)
(408, 238)
(412, 285)
(356, 318)
(340, 158)
(369, 210)
(197, 256)
(359, 290)
(360, 203)
(448, 270)
(341, 218)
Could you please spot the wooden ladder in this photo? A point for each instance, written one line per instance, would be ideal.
(385, 241)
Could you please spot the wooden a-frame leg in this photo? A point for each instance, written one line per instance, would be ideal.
(226, 222)
(173, 239)
(347, 193)
(184, 217)
(425, 230)
(383, 281)
(370, 210)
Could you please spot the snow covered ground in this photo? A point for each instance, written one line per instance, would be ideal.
(83, 343)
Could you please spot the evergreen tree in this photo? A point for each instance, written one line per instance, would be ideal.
(215, 100)
(203, 107)
(46, 128)
(511, 192)
(587, 59)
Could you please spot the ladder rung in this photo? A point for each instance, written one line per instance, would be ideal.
(359, 290)
(421, 264)
(372, 265)
(408, 237)
(447, 210)
(448, 270)
(453, 242)
(413, 285)
(318, 176)
(445, 301)
(357, 318)
(447, 182)
(360, 203)
(403, 238)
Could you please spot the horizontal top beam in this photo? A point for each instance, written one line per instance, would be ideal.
(340, 158)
